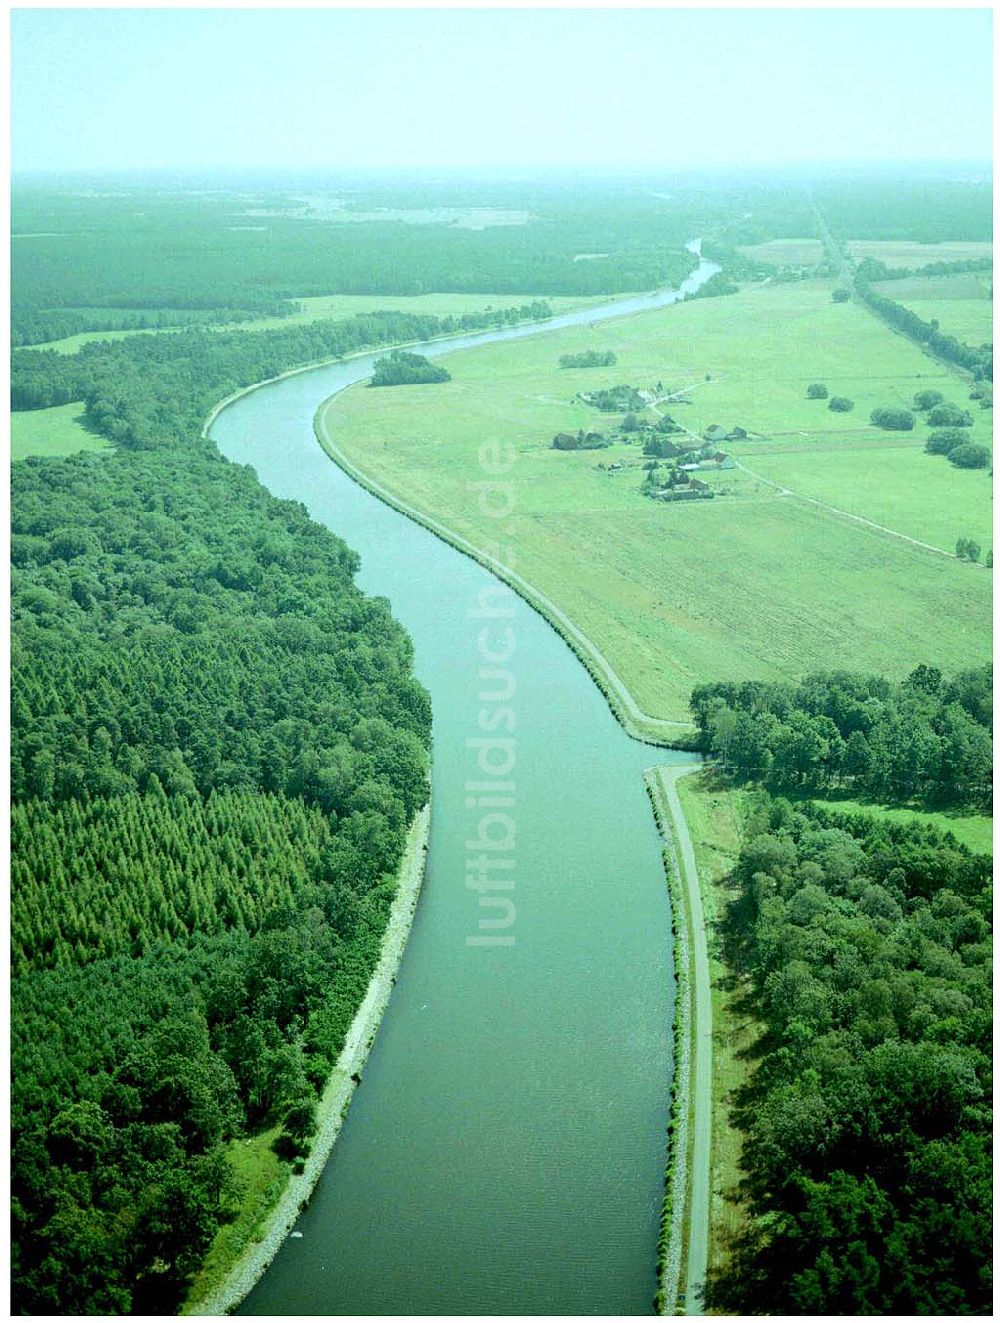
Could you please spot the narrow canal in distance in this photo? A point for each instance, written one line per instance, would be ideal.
(505, 1151)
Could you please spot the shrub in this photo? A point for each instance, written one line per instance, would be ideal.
(589, 358)
(840, 404)
(926, 399)
(966, 549)
(841, 295)
(949, 415)
(817, 391)
(893, 420)
(945, 441)
(970, 457)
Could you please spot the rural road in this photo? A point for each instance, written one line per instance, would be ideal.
(699, 1171)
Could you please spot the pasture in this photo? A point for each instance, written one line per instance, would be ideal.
(58, 431)
(919, 495)
(910, 253)
(750, 584)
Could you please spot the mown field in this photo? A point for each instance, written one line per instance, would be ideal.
(338, 306)
(786, 252)
(750, 584)
(901, 487)
(910, 253)
(58, 431)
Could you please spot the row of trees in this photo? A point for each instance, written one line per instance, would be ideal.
(978, 360)
(217, 746)
(148, 390)
(36, 326)
(864, 947)
(926, 739)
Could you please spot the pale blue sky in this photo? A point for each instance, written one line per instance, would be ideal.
(154, 88)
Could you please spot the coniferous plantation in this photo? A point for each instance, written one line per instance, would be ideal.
(217, 747)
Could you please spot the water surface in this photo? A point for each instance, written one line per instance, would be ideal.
(504, 1153)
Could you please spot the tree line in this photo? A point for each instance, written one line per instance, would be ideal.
(926, 739)
(150, 390)
(978, 360)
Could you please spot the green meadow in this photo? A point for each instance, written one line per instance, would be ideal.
(750, 584)
(968, 320)
(58, 431)
(920, 495)
(960, 303)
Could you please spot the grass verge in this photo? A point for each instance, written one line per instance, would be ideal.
(715, 816)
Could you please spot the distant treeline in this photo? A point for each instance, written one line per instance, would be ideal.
(879, 271)
(865, 950)
(927, 738)
(147, 250)
(715, 286)
(150, 390)
(217, 745)
(29, 327)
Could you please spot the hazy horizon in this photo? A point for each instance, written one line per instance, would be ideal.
(495, 91)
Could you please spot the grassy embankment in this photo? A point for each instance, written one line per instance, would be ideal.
(753, 584)
(715, 816)
(338, 306)
(58, 431)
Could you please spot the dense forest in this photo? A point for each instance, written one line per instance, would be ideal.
(32, 327)
(217, 746)
(251, 248)
(864, 947)
(153, 390)
(926, 739)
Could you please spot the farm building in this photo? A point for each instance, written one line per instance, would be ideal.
(712, 463)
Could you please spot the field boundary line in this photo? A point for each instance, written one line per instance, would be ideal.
(846, 514)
